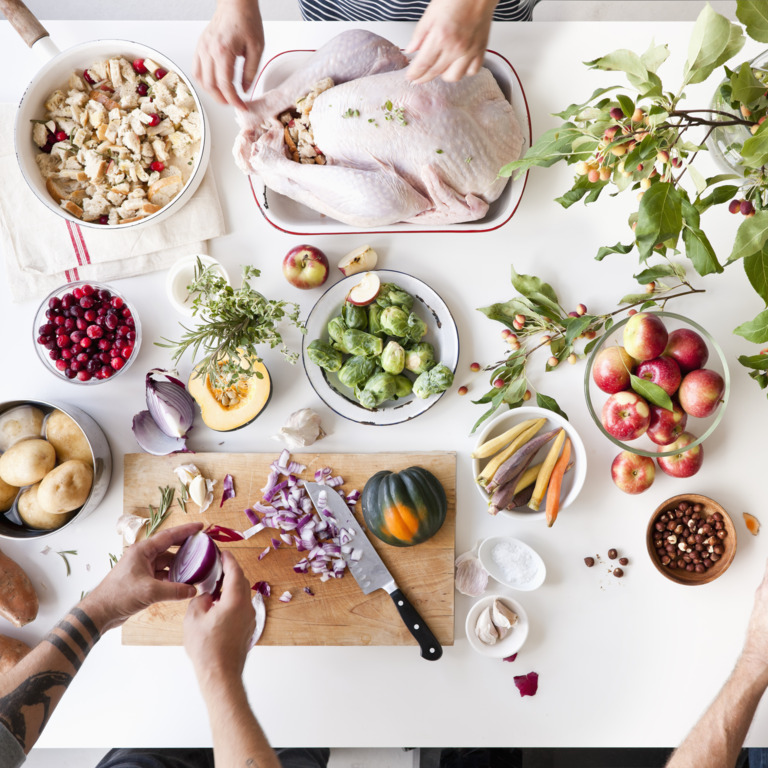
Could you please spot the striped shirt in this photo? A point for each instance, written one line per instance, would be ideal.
(398, 10)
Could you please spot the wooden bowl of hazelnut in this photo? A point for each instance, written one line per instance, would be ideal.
(691, 539)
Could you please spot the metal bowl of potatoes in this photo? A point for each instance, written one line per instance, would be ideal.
(55, 467)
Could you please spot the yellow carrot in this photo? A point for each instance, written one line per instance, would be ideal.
(495, 444)
(546, 471)
(528, 478)
(490, 468)
(555, 483)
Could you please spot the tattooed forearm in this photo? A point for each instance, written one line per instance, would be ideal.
(74, 642)
(34, 691)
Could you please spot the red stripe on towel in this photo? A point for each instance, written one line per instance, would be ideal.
(85, 253)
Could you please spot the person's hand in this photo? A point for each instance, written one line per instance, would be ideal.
(235, 30)
(139, 579)
(451, 39)
(217, 634)
(756, 643)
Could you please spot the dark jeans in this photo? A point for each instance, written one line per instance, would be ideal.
(203, 758)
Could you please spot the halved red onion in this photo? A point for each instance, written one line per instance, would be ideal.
(171, 406)
(152, 439)
(197, 562)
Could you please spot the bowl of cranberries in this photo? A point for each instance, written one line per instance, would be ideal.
(86, 333)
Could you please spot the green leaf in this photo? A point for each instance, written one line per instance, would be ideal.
(754, 151)
(537, 290)
(651, 392)
(718, 196)
(654, 57)
(654, 273)
(505, 313)
(626, 104)
(751, 236)
(755, 330)
(745, 87)
(575, 326)
(514, 391)
(700, 251)
(556, 144)
(713, 41)
(591, 345)
(582, 186)
(620, 61)
(756, 267)
(659, 217)
(575, 109)
(633, 298)
(618, 248)
(759, 362)
(753, 14)
(699, 182)
(544, 401)
(760, 378)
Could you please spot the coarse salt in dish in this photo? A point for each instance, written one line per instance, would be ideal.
(512, 563)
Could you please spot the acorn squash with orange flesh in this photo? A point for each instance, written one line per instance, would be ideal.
(225, 410)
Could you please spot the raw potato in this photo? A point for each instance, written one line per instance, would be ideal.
(65, 488)
(70, 442)
(7, 495)
(18, 423)
(18, 599)
(27, 462)
(34, 516)
(12, 651)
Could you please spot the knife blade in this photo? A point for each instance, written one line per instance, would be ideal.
(370, 572)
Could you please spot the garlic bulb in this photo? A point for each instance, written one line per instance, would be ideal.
(471, 577)
(128, 526)
(302, 429)
(485, 629)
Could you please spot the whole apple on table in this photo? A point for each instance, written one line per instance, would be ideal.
(673, 361)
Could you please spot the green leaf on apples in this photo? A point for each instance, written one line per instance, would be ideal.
(713, 41)
(626, 104)
(760, 377)
(754, 151)
(556, 144)
(633, 298)
(544, 401)
(648, 304)
(618, 248)
(751, 236)
(755, 330)
(654, 57)
(537, 291)
(514, 391)
(654, 273)
(505, 312)
(575, 109)
(653, 393)
(581, 187)
(756, 267)
(592, 344)
(574, 326)
(745, 87)
(759, 362)
(609, 324)
(716, 197)
(700, 251)
(753, 14)
(659, 217)
(699, 182)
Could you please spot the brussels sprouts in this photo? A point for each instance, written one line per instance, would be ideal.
(336, 327)
(420, 357)
(416, 327)
(354, 316)
(394, 321)
(374, 319)
(323, 354)
(399, 297)
(362, 343)
(380, 387)
(393, 358)
(433, 381)
(403, 386)
(356, 370)
(383, 298)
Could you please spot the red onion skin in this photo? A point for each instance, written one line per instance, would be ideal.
(527, 684)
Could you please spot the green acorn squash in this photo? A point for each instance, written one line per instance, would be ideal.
(404, 508)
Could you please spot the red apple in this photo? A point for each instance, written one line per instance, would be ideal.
(688, 349)
(686, 463)
(645, 336)
(701, 391)
(366, 291)
(305, 266)
(632, 473)
(626, 415)
(666, 426)
(611, 369)
(663, 371)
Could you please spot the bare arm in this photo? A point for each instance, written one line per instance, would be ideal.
(716, 740)
(31, 690)
(216, 637)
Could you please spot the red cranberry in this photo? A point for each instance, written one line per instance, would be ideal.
(85, 342)
(116, 302)
(53, 354)
(126, 352)
(61, 136)
(123, 330)
(86, 302)
(75, 366)
(160, 73)
(104, 344)
(70, 374)
(138, 67)
(49, 313)
(70, 324)
(142, 89)
(103, 219)
(92, 366)
(50, 344)
(90, 315)
(105, 372)
(130, 336)
(77, 293)
(105, 357)
(77, 337)
(88, 290)
(43, 339)
(87, 77)
(67, 300)
(54, 302)
(104, 294)
(157, 166)
(59, 320)
(66, 354)
(83, 376)
(46, 329)
(94, 332)
(77, 311)
(111, 321)
(81, 323)
(63, 340)
(61, 365)
(129, 322)
(155, 119)
(117, 363)
(82, 357)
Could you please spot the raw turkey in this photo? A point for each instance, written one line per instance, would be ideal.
(395, 151)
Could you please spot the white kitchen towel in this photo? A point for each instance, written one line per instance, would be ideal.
(43, 251)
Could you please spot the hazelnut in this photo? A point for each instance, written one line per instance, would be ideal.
(623, 561)
(722, 534)
(589, 561)
(618, 572)
(678, 529)
(613, 554)
(672, 539)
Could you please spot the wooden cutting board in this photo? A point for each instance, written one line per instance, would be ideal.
(338, 613)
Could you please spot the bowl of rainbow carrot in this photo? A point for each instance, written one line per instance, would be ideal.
(529, 463)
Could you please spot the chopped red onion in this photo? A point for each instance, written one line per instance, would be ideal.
(264, 553)
(527, 684)
(262, 587)
(220, 533)
(276, 543)
(286, 597)
(309, 591)
(253, 518)
(229, 489)
(260, 611)
(253, 530)
(510, 658)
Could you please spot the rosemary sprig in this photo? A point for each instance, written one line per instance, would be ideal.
(63, 554)
(157, 515)
(112, 560)
(183, 497)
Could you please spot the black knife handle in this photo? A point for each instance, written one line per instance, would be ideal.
(430, 647)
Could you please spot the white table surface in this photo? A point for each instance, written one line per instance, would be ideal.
(628, 662)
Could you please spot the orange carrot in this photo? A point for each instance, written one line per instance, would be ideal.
(555, 482)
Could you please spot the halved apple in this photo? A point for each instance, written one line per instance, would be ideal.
(361, 259)
(366, 291)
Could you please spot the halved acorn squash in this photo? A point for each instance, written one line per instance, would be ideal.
(230, 408)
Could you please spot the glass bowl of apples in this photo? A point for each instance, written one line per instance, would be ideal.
(657, 385)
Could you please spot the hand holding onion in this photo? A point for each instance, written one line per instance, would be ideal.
(217, 634)
(139, 579)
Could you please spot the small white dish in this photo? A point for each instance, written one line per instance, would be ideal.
(497, 571)
(181, 274)
(514, 640)
(574, 478)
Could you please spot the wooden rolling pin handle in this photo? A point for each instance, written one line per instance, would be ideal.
(23, 21)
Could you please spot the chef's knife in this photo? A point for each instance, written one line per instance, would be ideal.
(370, 571)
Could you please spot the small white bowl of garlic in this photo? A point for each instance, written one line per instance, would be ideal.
(497, 626)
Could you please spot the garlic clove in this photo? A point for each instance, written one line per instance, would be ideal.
(128, 526)
(186, 473)
(503, 617)
(484, 628)
(471, 576)
(303, 428)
